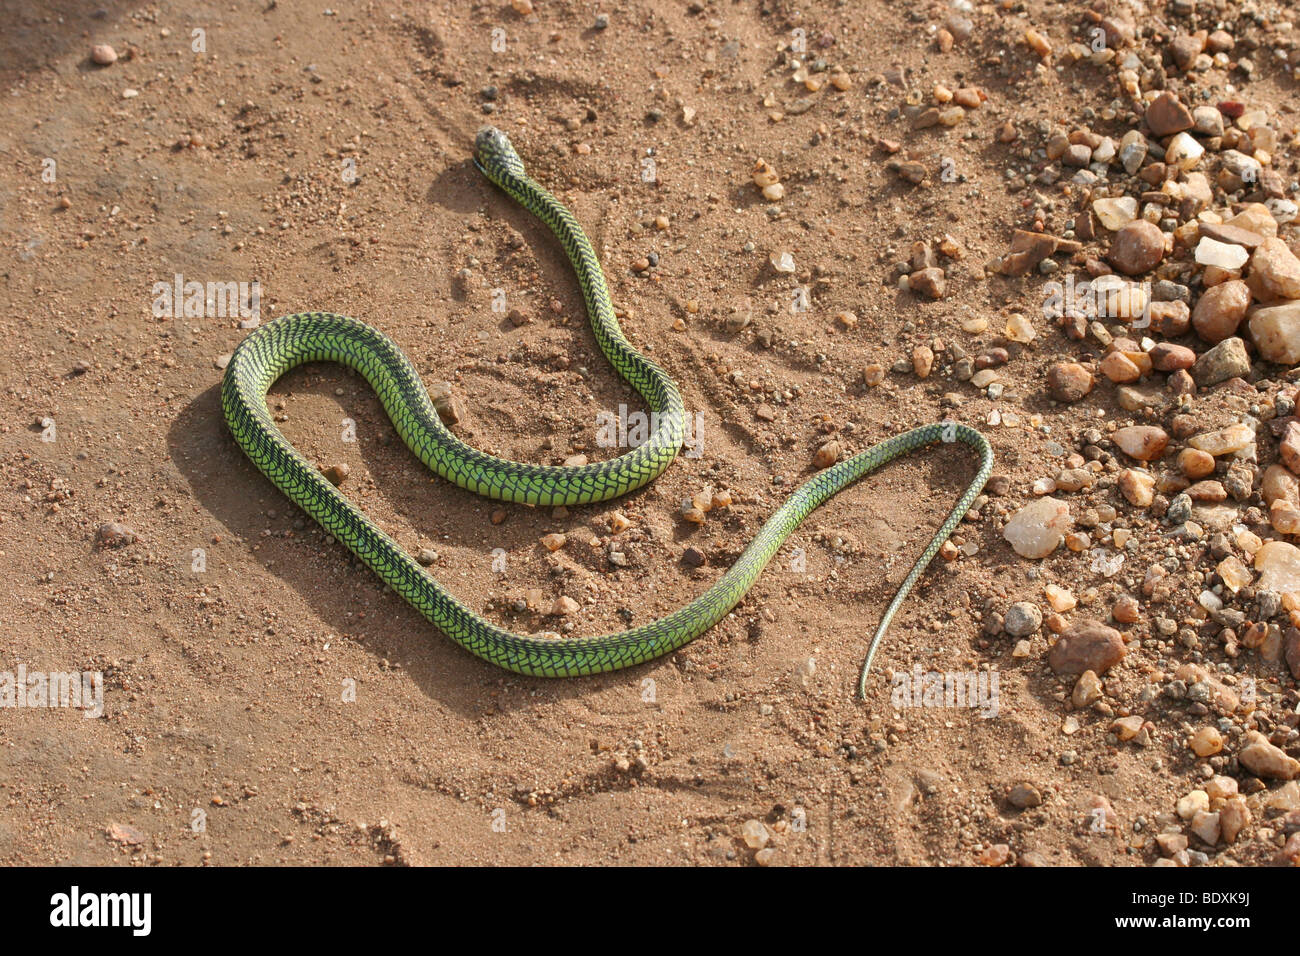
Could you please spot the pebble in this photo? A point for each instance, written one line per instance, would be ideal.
(1265, 760)
(1223, 441)
(101, 54)
(1019, 328)
(1206, 742)
(564, 605)
(828, 454)
(1184, 151)
(755, 834)
(1205, 826)
(1275, 329)
(1137, 247)
(1127, 728)
(1223, 255)
(1275, 270)
(1024, 796)
(922, 361)
(1114, 214)
(1166, 115)
(1022, 619)
(1120, 368)
(1086, 646)
(1037, 529)
(445, 402)
(337, 474)
(1059, 599)
(1143, 442)
(1221, 309)
(1087, 690)
(1197, 801)
(1226, 360)
(112, 534)
(553, 542)
(1234, 816)
(426, 556)
(930, 282)
(1137, 486)
(1278, 564)
(1069, 381)
(1195, 463)
(1168, 357)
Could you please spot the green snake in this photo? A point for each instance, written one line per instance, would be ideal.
(292, 340)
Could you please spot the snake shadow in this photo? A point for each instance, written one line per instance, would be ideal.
(229, 488)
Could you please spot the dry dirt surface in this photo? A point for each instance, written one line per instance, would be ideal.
(265, 699)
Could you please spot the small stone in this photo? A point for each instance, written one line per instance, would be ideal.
(1168, 357)
(827, 455)
(1143, 442)
(1019, 328)
(1221, 309)
(1059, 599)
(1197, 801)
(1166, 115)
(1086, 646)
(445, 403)
(755, 834)
(930, 282)
(922, 361)
(101, 54)
(1223, 441)
(1037, 529)
(426, 556)
(1205, 826)
(1137, 486)
(1022, 619)
(336, 474)
(1223, 255)
(1126, 728)
(694, 557)
(1087, 690)
(1265, 760)
(1114, 214)
(1171, 844)
(1120, 368)
(996, 855)
(1184, 152)
(553, 542)
(1234, 816)
(1024, 796)
(1275, 330)
(1226, 360)
(564, 605)
(1206, 742)
(111, 534)
(1278, 564)
(1137, 247)
(1069, 381)
(1274, 266)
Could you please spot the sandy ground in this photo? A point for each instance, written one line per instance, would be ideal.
(265, 699)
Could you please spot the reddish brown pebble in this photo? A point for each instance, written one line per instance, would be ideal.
(1086, 646)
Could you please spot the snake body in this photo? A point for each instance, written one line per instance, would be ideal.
(292, 340)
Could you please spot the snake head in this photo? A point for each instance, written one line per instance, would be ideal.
(495, 156)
